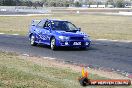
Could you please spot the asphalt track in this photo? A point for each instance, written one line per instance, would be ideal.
(116, 55)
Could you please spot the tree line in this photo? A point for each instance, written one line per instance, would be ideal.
(63, 3)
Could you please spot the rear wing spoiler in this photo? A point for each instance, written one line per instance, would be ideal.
(35, 22)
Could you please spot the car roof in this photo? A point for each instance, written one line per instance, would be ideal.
(55, 20)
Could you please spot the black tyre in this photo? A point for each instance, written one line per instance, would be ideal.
(83, 48)
(32, 40)
(53, 43)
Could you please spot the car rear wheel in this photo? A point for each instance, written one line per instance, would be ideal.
(32, 40)
(53, 44)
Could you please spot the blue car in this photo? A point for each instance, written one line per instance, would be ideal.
(57, 33)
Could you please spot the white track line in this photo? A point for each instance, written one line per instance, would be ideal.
(2, 33)
(50, 58)
(7, 34)
(26, 54)
(126, 41)
(14, 34)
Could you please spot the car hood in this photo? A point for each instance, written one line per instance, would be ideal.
(64, 33)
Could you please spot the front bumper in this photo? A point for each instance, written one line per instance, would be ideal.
(70, 43)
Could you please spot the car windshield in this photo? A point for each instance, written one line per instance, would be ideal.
(35, 22)
(63, 25)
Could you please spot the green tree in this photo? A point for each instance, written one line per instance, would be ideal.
(91, 2)
(110, 2)
(119, 3)
(77, 4)
(1, 3)
(116, 3)
(67, 4)
(8, 2)
(52, 4)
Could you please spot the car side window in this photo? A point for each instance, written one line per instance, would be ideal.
(41, 24)
(47, 24)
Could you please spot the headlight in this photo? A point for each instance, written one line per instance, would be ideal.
(63, 38)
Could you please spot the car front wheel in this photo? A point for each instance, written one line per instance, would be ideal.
(32, 40)
(53, 44)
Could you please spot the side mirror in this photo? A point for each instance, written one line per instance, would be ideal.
(79, 29)
(33, 24)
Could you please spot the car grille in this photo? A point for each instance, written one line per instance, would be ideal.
(76, 38)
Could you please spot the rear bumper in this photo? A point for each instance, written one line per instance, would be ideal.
(70, 43)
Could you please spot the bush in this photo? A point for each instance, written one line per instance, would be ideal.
(77, 4)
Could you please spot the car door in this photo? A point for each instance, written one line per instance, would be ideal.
(47, 31)
(40, 31)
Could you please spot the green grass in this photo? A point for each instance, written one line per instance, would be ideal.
(20, 73)
(16, 72)
(97, 26)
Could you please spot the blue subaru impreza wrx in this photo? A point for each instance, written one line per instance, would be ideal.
(57, 33)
